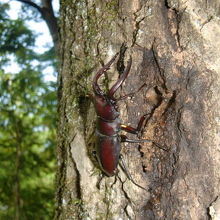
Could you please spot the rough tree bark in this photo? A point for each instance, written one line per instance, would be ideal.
(174, 45)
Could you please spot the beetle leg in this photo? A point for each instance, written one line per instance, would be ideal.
(134, 130)
(129, 129)
(121, 79)
(124, 168)
(124, 138)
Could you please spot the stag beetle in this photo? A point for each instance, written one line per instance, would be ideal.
(108, 124)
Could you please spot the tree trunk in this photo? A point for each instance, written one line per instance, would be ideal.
(174, 47)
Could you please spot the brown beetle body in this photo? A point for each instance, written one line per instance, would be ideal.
(108, 122)
(108, 125)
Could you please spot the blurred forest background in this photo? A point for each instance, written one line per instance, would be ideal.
(27, 119)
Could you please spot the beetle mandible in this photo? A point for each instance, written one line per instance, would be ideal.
(108, 124)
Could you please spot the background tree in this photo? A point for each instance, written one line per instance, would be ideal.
(45, 9)
(174, 46)
(27, 124)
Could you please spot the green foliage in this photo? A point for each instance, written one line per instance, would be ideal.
(27, 126)
(15, 38)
